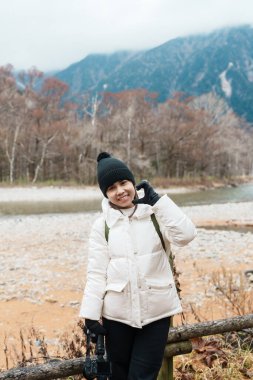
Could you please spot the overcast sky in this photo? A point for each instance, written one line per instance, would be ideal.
(52, 34)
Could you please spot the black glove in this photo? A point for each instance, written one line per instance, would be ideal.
(95, 327)
(150, 197)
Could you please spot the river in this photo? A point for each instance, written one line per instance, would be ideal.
(242, 193)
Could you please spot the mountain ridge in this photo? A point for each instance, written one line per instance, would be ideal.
(220, 62)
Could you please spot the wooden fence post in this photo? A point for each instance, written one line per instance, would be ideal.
(166, 371)
(170, 359)
(163, 373)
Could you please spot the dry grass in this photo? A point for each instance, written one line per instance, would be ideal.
(216, 359)
(233, 294)
(228, 356)
(33, 348)
(233, 291)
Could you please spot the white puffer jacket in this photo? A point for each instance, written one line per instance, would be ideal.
(129, 279)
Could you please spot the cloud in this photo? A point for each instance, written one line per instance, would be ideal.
(52, 34)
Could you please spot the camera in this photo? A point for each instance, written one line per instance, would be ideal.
(97, 366)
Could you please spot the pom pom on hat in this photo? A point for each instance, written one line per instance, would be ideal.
(103, 155)
(111, 170)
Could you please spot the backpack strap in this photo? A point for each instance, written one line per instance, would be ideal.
(155, 223)
(106, 232)
(157, 227)
(168, 252)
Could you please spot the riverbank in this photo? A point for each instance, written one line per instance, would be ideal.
(42, 192)
(201, 183)
(44, 257)
(51, 200)
(56, 193)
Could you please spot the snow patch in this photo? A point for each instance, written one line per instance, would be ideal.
(250, 76)
(249, 69)
(225, 83)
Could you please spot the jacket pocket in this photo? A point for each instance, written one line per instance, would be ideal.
(160, 287)
(162, 298)
(116, 287)
(116, 301)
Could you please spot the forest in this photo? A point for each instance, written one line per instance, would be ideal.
(45, 136)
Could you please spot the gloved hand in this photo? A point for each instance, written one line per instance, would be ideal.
(95, 328)
(150, 196)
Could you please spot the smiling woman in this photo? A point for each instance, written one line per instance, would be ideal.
(130, 285)
(121, 194)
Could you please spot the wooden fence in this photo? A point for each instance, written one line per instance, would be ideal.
(178, 343)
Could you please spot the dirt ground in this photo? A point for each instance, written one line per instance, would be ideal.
(43, 263)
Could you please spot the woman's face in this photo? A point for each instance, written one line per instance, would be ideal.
(121, 193)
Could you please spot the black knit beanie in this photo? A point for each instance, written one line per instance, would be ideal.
(110, 170)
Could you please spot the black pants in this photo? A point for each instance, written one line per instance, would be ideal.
(136, 354)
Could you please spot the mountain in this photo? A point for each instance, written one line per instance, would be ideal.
(221, 61)
(84, 76)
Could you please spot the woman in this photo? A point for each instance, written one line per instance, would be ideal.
(130, 285)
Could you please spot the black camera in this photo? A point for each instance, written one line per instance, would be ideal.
(97, 366)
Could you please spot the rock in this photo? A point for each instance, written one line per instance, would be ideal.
(248, 273)
(51, 300)
(74, 303)
(250, 278)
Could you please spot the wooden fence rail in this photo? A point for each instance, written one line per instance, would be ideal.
(185, 332)
(178, 343)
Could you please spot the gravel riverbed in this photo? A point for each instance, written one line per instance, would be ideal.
(43, 253)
